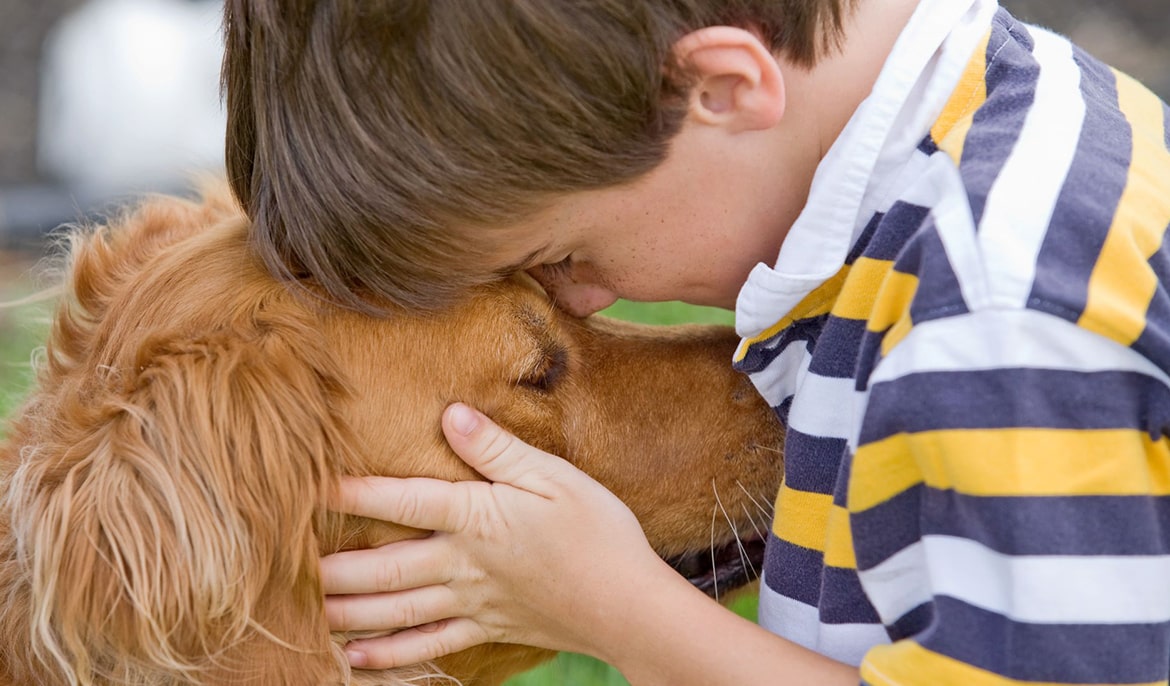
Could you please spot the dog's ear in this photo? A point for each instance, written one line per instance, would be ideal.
(98, 263)
(163, 536)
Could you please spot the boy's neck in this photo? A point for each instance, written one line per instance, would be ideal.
(827, 95)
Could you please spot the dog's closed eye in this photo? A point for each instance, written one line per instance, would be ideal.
(553, 362)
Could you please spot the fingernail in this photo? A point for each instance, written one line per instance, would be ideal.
(463, 419)
(356, 657)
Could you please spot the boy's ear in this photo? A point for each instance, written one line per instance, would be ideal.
(737, 81)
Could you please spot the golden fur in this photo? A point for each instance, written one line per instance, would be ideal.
(162, 491)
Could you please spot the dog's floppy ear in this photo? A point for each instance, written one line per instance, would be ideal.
(163, 537)
(98, 263)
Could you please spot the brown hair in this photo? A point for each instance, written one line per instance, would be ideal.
(372, 142)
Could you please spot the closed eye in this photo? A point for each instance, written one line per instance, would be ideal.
(557, 270)
(554, 361)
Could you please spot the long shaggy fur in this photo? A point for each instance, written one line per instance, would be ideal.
(163, 491)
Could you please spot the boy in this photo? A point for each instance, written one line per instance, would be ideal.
(966, 330)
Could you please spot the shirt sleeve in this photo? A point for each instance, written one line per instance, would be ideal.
(1009, 499)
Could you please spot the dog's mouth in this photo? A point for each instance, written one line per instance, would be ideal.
(722, 569)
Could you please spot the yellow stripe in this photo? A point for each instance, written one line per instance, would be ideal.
(812, 521)
(950, 130)
(1012, 462)
(891, 308)
(802, 517)
(906, 662)
(839, 540)
(816, 303)
(880, 471)
(1122, 283)
(896, 333)
(859, 293)
(893, 300)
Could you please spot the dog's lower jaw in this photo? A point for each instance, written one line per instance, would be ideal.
(723, 569)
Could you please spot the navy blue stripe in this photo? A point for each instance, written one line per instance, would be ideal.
(868, 358)
(1048, 525)
(1166, 122)
(1062, 653)
(811, 463)
(843, 601)
(782, 411)
(835, 355)
(1089, 200)
(927, 146)
(761, 354)
(912, 623)
(938, 294)
(898, 226)
(1072, 525)
(1011, 78)
(1154, 342)
(793, 571)
(862, 242)
(1004, 398)
(1017, 30)
(887, 528)
(841, 490)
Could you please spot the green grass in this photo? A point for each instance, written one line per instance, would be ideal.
(668, 313)
(569, 669)
(22, 330)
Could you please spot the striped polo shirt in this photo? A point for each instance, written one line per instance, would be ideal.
(967, 333)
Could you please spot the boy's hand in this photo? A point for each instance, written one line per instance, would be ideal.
(537, 557)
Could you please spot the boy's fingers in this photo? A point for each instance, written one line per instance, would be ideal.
(390, 610)
(395, 567)
(417, 502)
(497, 454)
(419, 644)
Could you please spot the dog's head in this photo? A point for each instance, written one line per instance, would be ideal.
(162, 493)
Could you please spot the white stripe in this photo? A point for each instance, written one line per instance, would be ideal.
(1037, 589)
(1015, 222)
(1051, 589)
(801, 624)
(955, 225)
(992, 339)
(887, 189)
(899, 584)
(778, 381)
(824, 407)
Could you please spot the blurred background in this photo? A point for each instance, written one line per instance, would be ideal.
(104, 99)
(101, 98)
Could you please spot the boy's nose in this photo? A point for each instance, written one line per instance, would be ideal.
(577, 299)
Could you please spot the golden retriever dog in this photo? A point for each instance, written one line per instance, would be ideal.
(164, 490)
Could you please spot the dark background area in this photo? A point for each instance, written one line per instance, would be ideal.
(1133, 35)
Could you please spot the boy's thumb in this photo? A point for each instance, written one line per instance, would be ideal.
(495, 453)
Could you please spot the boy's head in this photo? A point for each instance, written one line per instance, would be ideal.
(384, 146)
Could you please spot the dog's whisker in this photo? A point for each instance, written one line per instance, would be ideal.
(766, 511)
(743, 556)
(752, 519)
(714, 565)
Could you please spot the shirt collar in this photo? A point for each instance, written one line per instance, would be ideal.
(920, 73)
